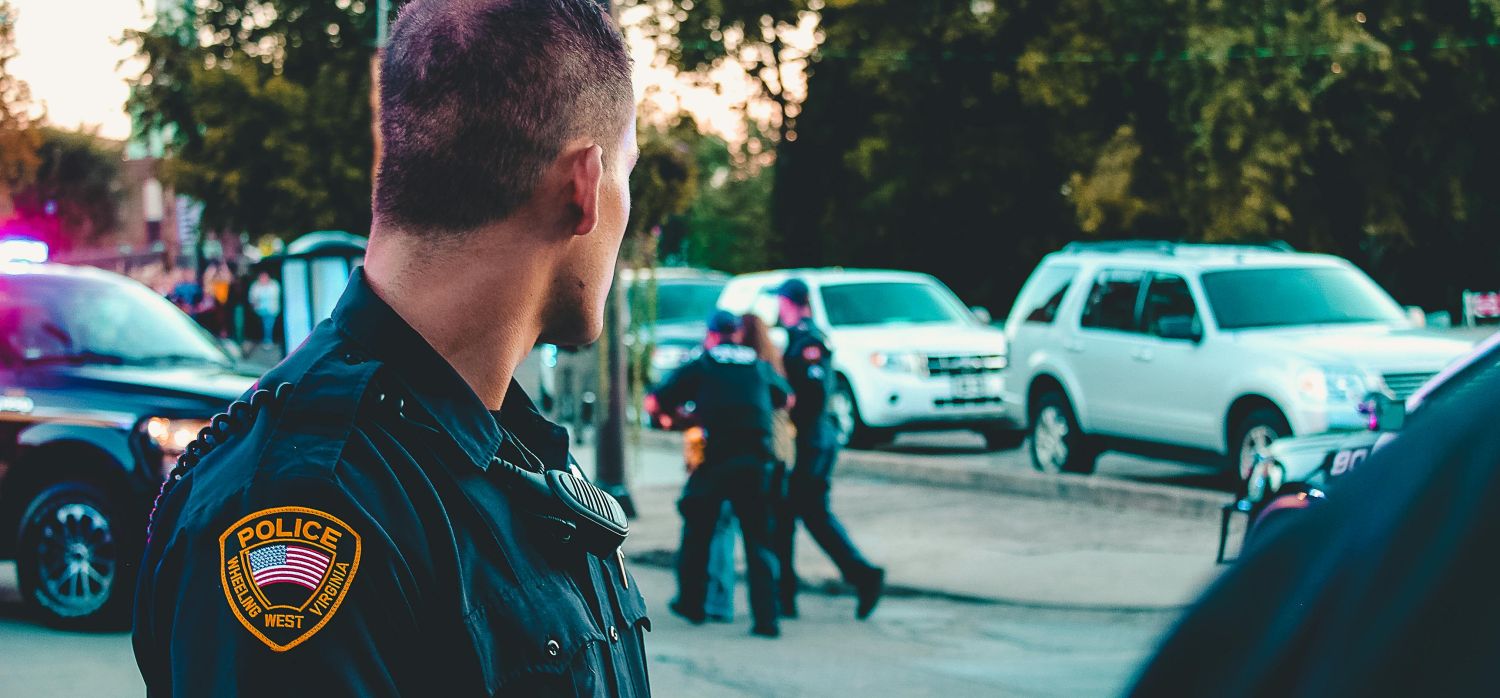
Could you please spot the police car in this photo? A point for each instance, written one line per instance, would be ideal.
(1296, 473)
(103, 383)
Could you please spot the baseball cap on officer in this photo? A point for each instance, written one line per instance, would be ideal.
(723, 322)
(794, 290)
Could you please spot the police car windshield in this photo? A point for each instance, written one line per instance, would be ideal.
(889, 303)
(1281, 297)
(678, 301)
(75, 320)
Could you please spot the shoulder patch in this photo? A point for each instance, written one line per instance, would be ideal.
(286, 570)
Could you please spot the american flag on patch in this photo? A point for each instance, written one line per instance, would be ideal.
(288, 564)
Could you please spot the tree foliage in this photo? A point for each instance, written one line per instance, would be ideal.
(19, 137)
(698, 36)
(77, 184)
(933, 131)
(265, 105)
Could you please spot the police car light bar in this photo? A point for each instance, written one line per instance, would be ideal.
(22, 250)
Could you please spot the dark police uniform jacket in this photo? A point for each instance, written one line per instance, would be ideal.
(734, 394)
(352, 534)
(809, 369)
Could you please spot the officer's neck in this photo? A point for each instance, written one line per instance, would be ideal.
(478, 308)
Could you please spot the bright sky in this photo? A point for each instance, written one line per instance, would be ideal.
(68, 53)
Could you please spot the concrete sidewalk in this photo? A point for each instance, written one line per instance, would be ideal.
(973, 544)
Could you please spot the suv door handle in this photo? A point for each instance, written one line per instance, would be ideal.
(1073, 345)
(1143, 355)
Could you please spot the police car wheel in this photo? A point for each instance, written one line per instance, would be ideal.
(76, 565)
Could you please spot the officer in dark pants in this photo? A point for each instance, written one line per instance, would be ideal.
(734, 393)
(809, 369)
(388, 514)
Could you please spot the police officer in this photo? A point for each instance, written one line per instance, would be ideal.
(388, 514)
(734, 394)
(809, 369)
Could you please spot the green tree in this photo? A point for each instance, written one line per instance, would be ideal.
(265, 105)
(18, 134)
(698, 36)
(77, 184)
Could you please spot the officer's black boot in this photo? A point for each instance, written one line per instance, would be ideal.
(869, 590)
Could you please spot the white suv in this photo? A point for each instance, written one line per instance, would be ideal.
(1203, 352)
(909, 355)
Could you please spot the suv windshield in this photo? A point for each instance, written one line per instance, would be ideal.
(887, 302)
(1248, 298)
(679, 301)
(53, 319)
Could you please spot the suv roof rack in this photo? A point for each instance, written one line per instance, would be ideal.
(1167, 247)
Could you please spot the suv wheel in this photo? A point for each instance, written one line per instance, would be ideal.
(1253, 436)
(1057, 443)
(76, 565)
(850, 430)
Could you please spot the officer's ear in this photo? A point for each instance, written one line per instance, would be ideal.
(586, 174)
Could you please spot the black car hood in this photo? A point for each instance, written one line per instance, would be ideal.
(214, 384)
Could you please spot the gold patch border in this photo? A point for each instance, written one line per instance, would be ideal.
(229, 596)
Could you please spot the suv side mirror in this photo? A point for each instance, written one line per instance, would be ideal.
(983, 314)
(1179, 327)
(1385, 412)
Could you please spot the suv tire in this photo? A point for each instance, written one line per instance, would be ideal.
(1057, 442)
(849, 429)
(76, 557)
(1256, 430)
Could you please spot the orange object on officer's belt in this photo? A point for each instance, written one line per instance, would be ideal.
(694, 442)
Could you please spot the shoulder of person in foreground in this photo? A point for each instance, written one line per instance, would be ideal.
(1387, 588)
(271, 559)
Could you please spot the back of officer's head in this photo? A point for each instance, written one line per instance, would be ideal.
(490, 114)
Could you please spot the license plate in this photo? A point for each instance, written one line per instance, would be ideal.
(973, 386)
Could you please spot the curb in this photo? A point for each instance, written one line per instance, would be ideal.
(938, 471)
(1100, 491)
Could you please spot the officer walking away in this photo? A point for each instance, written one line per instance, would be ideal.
(388, 514)
(809, 369)
(734, 393)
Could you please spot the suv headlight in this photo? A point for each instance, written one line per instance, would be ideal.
(172, 437)
(1334, 386)
(899, 362)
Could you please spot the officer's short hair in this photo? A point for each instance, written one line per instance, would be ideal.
(477, 97)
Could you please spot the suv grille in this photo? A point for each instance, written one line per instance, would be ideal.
(1402, 385)
(964, 365)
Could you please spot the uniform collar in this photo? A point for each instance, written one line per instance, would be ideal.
(376, 327)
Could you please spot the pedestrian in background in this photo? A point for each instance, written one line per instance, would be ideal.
(809, 369)
(265, 299)
(735, 394)
(719, 605)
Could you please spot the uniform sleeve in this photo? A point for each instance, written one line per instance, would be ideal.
(809, 371)
(292, 591)
(678, 388)
(781, 390)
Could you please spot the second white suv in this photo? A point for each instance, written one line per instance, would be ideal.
(1203, 352)
(909, 355)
